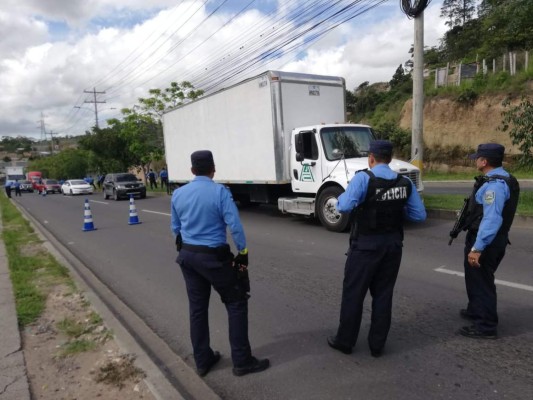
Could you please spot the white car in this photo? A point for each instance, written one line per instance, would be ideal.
(76, 186)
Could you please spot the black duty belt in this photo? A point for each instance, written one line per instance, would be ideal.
(200, 249)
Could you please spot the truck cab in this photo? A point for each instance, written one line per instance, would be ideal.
(323, 159)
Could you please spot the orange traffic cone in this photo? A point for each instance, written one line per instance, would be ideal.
(88, 218)
(134, 218)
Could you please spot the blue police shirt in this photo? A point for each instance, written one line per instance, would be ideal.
(492, 195)
(355, 194)
(163, 174)
(201, 210)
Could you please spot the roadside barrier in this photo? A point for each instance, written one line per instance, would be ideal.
(134, 218)
(88, 218)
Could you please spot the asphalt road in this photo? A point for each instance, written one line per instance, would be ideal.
(296, 270)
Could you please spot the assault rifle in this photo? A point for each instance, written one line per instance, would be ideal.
(462, 221)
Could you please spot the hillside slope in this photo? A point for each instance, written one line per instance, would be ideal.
(449, 123)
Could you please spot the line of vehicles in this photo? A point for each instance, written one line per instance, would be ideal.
(115, 186)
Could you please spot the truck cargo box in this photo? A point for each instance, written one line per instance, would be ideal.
(247, 126)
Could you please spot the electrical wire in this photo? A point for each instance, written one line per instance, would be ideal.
(413, 8)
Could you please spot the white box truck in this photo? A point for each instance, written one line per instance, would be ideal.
(15, 173)
(277, 137)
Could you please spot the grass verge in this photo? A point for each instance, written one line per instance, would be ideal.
(455, 202)
(469, 176)
(32, 268)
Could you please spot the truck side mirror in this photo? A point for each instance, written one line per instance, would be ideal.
(299, 143)
(299, 147)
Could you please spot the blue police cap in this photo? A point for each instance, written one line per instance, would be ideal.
(488, 150)
(202, 159)
(381, 147)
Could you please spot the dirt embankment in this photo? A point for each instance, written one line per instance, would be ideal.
(448, 123)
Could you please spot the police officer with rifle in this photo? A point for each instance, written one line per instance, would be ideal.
(200, 213)
(487, 217)
(381, 199)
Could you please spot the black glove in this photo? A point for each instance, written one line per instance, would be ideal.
(241, 260)
(179, 242)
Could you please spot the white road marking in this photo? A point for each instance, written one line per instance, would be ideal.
(45, 221)
(498, 281)
(156, 212)
(99, 202)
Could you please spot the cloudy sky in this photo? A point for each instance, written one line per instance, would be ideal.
(52, 51)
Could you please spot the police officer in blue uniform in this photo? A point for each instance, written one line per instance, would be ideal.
(200, 212)
(491, 211)
(379, 200)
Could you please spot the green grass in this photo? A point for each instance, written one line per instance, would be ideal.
(77, 346)
(455, 202)
(31, 267)
(469, 176)
(71, 327)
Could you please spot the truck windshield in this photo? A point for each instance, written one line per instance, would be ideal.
(353, 141)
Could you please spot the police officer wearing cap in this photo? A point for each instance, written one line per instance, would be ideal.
(380, 199)
(490, 214)
(200, 213)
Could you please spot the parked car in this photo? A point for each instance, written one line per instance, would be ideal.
(122, 185)
(76, 186)
(51, 186)
(26, 186)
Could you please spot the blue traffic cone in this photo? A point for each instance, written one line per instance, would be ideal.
(88, 218)
(134, 218)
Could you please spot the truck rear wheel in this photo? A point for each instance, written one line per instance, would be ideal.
(327, 211)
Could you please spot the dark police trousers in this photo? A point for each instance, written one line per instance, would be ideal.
(201, 271)
(480, 287)
(373, 263)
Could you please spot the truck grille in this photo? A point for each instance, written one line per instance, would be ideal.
(414, 176)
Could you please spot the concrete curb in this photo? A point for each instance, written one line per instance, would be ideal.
(14, 383)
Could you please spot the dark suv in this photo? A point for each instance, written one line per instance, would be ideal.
(122, 185)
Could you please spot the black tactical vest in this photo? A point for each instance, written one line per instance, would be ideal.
(475, 210)
(382, 209)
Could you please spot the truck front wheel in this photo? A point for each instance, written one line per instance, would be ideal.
(327, 210)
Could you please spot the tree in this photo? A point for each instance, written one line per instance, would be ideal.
(457, 12)
(68, 164)
(518, 120)
(507, 26)
(399, 77)
(107, 149)
(163, 100)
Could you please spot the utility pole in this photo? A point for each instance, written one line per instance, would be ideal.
(52, 142)
(417, 139)
(94, 92)
(42, 127)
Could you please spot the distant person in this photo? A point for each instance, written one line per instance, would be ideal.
(101, 181)
(90, 181)
(152, 179)
(201, 211)
(163, 174)
(7, 187)
(18, 192)
(491, 211)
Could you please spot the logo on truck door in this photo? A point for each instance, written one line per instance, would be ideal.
(306, 175)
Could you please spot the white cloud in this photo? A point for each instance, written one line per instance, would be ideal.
(46, 67)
